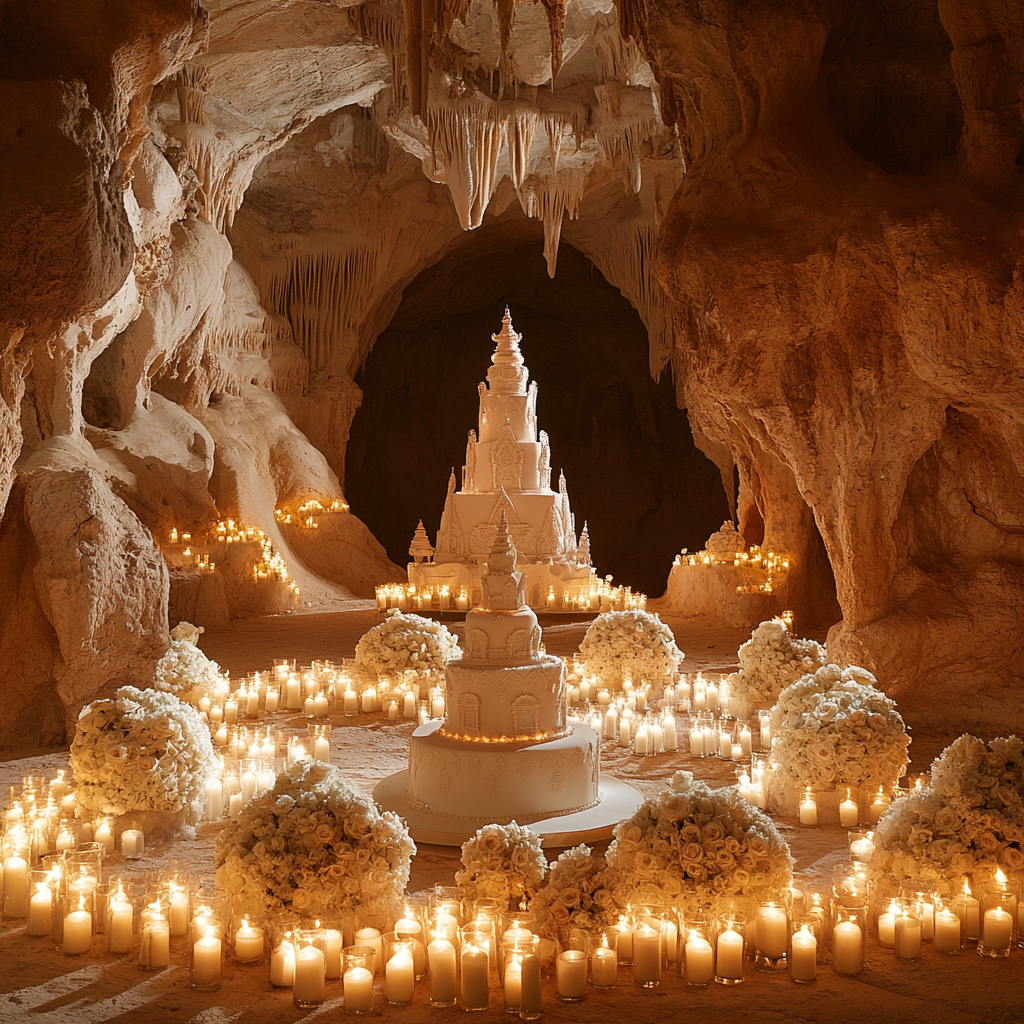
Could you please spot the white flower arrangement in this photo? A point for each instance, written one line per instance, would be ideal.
(771, 660)
(968, 822)
(834, 729)
(406, 643)
(142, 750)
(314, 846)
(633, 643)
(502, 862)
(579, 893)
(184, 670)
(697, 847)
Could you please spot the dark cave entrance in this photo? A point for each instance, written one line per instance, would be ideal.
(633, 471)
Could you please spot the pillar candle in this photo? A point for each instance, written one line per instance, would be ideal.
(443, 973)
(571, 974)
(282, 965)
(514, 982)
(65, 841)
(803, 962)
(657, 738)
(730, 955)
(745, 741)
(321, 704)
(332, 953)
(907, 937)
(15, 878)
(696, 743)
(947, 932)
(155, 944)
(357, 986)
(214, 800)
(409, 928)
(292, 694)
(40, 911)
(646, 955)
(231, 712)
(368, 701)
(604, 698)
(668, 723)
(409, 706)
(133, 844)
(611, 722)
(399, 978)
(235, 805)
(105, 836)
(206, 960)
(247, 782)
(997, 929)
(700, 965)
(371, 937)
(322, 749)
(475, 982)
(887, 926)
(771, 931)
(640, 741)
(248, 941)
(604, 967)
(178, 912)
(530, 998)
(878, 806)
(624, 943)
(972, 919)
(849, 815)
(808, 810)
(848, 948)
(120, 925)
(309, 985)
(271, 701)
(669, 940)
(77, 933)
(624, 732)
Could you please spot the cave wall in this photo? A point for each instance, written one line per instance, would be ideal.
(632, 470)
(847, 286)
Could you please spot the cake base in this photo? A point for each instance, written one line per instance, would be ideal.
(619, 800)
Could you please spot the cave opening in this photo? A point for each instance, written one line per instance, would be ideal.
(632, 468)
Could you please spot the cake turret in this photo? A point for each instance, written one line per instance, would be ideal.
(508, 374)
(504, 588)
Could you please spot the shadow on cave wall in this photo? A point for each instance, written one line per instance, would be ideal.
(630, 462)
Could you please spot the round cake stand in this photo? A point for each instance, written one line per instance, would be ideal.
(619, 800)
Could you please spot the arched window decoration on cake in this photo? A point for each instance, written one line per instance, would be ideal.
(535, 642)
(517, 644)
(469, 712)
(476, 641)
(526, 715)
(507, 460)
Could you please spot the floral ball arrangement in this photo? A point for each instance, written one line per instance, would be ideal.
(314, 846)
(834, 729)
(406, 643)
(771, 660)
(184, 670)
(633, 643)
(969, 822)
(579, 892)
(697, 847)
(142, 750)
(503, 863)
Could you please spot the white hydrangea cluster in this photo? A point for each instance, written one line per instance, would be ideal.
(184, 670)
(142, 750)
(771, 660)
(835, 728)
(406, 643)
(634, 643)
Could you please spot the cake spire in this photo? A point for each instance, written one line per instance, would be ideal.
(508, 374)
(502, 559)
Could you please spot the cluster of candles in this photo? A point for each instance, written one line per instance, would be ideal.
(772, 563)
(307, 513)
(596, 595)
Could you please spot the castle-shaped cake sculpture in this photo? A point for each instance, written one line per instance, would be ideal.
(507, 472)
(505, 748)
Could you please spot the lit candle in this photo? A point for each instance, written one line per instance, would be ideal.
(862, 848)
(571, 975)
(271, 701)
(530, 998)
(730, 955)
(104, 835)
(696, 743)
(120, 923)
(997, 929)
(907, 937)
(321, 704)
(808, 809)
(624, 940)
(282, 965)
(40, 911)
(155, 946)
(15, 877)
(178, 916)
(803, 965)
(77, 932)
(771, 931)
(205, 961)
(514, 982)
(235, 805)
(887, 925)
(604, 967)
(947, 932)
(248, 941)
(668, 723)
(849, 815)
(745, 742)
(640, 741)
(214, 800)
(766, 732)
(409, 705)
(971, 913)
(371, 937)
(393, 711)
(309, 985)
(357, 986)
(848, 948)
(878, 807)
(231, 712)
(700, 962)
(332, 953)
(133, 844)
(65, 841)
(399, 977)
(669, 940)
(292, 694)
(322, 749)
(475, 983)
(624, 732)
(441, 962)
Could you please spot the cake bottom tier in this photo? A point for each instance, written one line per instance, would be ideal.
(496, 782)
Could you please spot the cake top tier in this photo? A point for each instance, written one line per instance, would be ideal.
(508, 375)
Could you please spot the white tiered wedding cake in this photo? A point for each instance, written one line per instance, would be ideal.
(505, 749)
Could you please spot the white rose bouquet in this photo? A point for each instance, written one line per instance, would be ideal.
(635, 643)
(579, 893)
(314, 846)
(184, 670)
(406, 643)
(698, 847)
(969, 821)
(771, 660)
(142, 751)
(502, 862)
(834, 729)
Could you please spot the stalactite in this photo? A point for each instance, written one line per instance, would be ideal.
(191, 86)
(558, 130)
(555, 10)
(621, 58)
(633, 19)
(521, 129)
(627, 121)
(386, 27)
(466, 137)
(506, 75)
(550, 198)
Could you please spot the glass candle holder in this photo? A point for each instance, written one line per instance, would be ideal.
(206, 952)
(887, 910)
(861, 845)
(357, 963)
(808, 809)
(773, 933)
(604, 961)
(480, 932)
(210, 901)
(475, 989)
(530, 992)
(399, 969)
(849, 926)
(571, 975)
(44, 890)
(698, 960)
(517, 938)
(647, 949)
(446, 899)
(730, 933)
(998, 921)
(282, 959)
(968, 908)
(907, 932)
(119, 923)
(248, 940)
(369, 931)
(923, 902)
(949, 929)
(309, 987)
(76, 925)
(154, 938)
(410, 925)
(803, 950)
(442, 970)
(623, 930)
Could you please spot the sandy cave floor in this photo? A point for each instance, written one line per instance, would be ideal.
(39, 984)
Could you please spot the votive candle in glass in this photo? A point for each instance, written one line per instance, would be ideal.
(729, 941)
(399, 970)
(848, 931)
(309, 988)
(205, 953)
(803, 955)
(604, 962)
(998, 921)
(475, 989)
(357, 963)
(698, 957)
